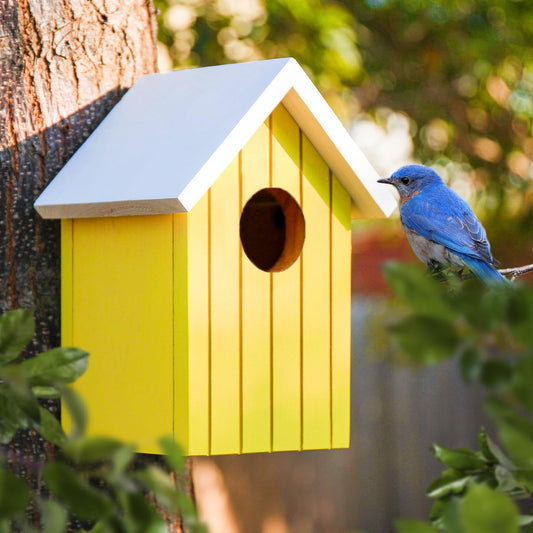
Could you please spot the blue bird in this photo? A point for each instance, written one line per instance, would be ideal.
(440, 226)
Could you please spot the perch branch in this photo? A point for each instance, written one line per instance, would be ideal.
(516, 271)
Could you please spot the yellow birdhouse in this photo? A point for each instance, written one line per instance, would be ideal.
(206, 261)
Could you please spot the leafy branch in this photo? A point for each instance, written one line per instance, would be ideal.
(490, 333)
(93, 479)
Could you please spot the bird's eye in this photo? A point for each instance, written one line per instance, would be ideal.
(405, 181)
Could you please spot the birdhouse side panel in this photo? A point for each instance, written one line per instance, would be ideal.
(122, 314)
(255, 313)
(341, 243)
(316, 301)
(286, 298)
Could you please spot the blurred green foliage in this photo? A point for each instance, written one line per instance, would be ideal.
(93, 479)
(489, 332)
(461, 70)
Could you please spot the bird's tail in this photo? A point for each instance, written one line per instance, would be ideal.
(484, 271)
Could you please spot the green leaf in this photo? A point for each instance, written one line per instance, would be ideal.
(481, 308)
(525, 477)
(523, 378)
(16, 331)
(484, 510)
(161, 485)
(507, 482)
(141, 514)
(459, 459)
(426, 339)
(174, 453)
(413, 526)
(54, 516)
(157, 525)
(50, 428)
(420, 291)
(517, 436)
(121, 460)
(91, 449)
(516, 433)
(9, 420)
(187, 509)
(113, 524)
(470, 365)
(497, 408)
(528, 529)
(450, 483)
(492, 452)
(56, 367)
(14, 495)
(444, 514)
(496, 374)
(83, 500)
(23, 405)
(77, 410)
(525, 520)
(520, 313)
(48, 393)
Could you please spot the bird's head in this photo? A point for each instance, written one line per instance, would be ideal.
(412, 179)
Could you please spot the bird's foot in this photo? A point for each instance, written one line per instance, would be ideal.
(441, 272)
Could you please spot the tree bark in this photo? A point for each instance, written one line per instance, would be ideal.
(63, 65)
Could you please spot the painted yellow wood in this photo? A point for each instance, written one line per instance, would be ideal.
(286, 286)
(182, 418)
(340, 318)
(66, 298)
(224, 307)
(198, 283)
(66, 282)
(255, 310)
(316, 301)
(123, 303)
(176, 316)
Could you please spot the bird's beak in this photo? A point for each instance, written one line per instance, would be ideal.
(385, 180)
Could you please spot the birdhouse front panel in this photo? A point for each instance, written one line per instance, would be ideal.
(228, 326)
(269, 369)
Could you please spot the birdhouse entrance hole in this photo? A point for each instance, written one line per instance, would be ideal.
(272, 229)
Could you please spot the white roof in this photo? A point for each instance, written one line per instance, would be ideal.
(169, 138)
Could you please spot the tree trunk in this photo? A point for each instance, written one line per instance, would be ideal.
(63, 65)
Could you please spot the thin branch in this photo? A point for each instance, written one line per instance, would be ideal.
(436, 270)
(516, 271)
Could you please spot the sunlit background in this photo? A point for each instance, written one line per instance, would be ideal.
(448, 83)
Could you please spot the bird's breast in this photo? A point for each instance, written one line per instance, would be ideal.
(428, 251)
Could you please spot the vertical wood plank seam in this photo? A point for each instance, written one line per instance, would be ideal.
(302, 258)
(174, 288)
(270, 149)
(271, 365)
(271, 289)
(210, 328)
(330, 308)
(241, 419)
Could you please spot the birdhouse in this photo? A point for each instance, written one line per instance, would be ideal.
(206, 261)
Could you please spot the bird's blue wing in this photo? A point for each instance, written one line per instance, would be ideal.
(445, 218)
